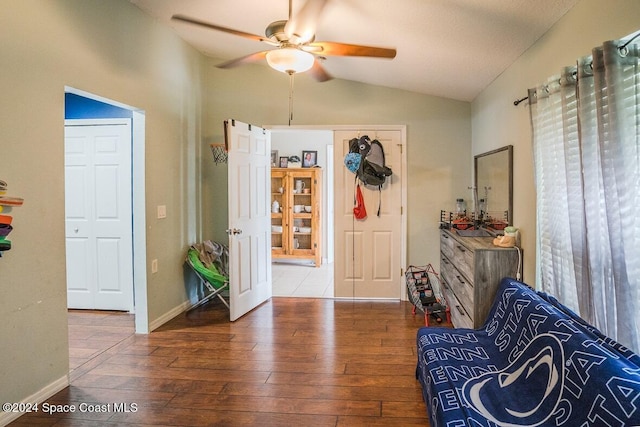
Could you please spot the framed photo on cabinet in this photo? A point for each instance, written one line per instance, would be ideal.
(309, 159)
(284, 161)
(274, 158)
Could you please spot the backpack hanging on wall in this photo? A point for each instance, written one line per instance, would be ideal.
(370, 168)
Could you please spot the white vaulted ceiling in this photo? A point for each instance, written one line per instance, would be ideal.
(448, 48)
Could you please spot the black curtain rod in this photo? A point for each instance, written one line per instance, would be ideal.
(518, 101)
(632, 39)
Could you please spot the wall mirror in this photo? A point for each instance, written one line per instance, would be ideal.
(494, 181)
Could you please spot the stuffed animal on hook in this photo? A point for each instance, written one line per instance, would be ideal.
(364, 145)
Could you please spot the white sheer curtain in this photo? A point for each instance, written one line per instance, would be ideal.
(586, 142)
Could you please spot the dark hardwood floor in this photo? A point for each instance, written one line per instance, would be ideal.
(290, 362)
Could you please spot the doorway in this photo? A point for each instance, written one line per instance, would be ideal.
(302, 278)
(83, 105)
(298, 278)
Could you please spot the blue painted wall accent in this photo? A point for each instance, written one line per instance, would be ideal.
(79, 107)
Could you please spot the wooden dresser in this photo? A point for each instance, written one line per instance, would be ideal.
(471, 269)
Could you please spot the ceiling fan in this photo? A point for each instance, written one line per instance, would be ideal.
(295, 50)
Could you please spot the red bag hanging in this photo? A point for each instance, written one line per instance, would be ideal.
(359, 210)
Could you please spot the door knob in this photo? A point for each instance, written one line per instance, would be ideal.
(75, 230)
(233, 231)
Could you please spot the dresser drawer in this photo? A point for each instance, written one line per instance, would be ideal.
(462, 290)
(463, 260)
(447, 270)
(459, 316)
(446, 245)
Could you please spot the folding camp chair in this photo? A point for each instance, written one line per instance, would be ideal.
(210, 277)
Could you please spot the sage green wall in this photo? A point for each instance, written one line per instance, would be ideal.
(497, 122)
(47, 45)
(438, 137)
(109, 48)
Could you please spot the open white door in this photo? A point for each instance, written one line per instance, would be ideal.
(249, 149)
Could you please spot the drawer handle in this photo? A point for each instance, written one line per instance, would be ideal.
(461, 249)
(461, 311)
(460, 279)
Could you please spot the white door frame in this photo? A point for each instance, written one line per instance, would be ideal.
(364, 129)
(330, 250)
(138, 208)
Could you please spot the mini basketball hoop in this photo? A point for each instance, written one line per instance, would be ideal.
(219, 153)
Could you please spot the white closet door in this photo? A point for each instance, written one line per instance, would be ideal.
(369, 252)
(98, 215)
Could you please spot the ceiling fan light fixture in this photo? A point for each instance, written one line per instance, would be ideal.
(290, 60)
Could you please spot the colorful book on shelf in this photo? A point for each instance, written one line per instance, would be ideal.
(5, 244)
(5, 229)
(11, 201)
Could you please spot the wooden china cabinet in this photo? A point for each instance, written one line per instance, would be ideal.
(296, 196)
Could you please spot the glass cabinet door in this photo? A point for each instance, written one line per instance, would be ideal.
(279, 204)
(302, 226)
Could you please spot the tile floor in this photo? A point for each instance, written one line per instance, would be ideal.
(302, 280)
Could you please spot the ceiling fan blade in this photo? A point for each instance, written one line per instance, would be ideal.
(248, 59)
(343, 49)
(318, 72)
(301, 28)
(250, 36)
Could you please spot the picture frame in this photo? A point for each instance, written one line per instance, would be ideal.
(309, 159)
(274, 158)
(284, 161)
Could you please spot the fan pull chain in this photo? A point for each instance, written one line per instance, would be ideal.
(290, 97)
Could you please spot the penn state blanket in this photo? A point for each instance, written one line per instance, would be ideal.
(533, 363)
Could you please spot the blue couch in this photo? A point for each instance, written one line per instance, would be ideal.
(533, 363)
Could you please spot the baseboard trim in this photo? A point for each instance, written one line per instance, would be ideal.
(181, 308)
(39, 397)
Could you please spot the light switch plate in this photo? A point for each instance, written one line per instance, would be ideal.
(162, 211)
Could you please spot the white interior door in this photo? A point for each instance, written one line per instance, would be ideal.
(330, 214)
(98, 218)
(369, 255)
(249, 216)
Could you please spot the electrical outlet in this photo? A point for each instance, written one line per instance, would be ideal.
(162, 211)
(154, 266)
